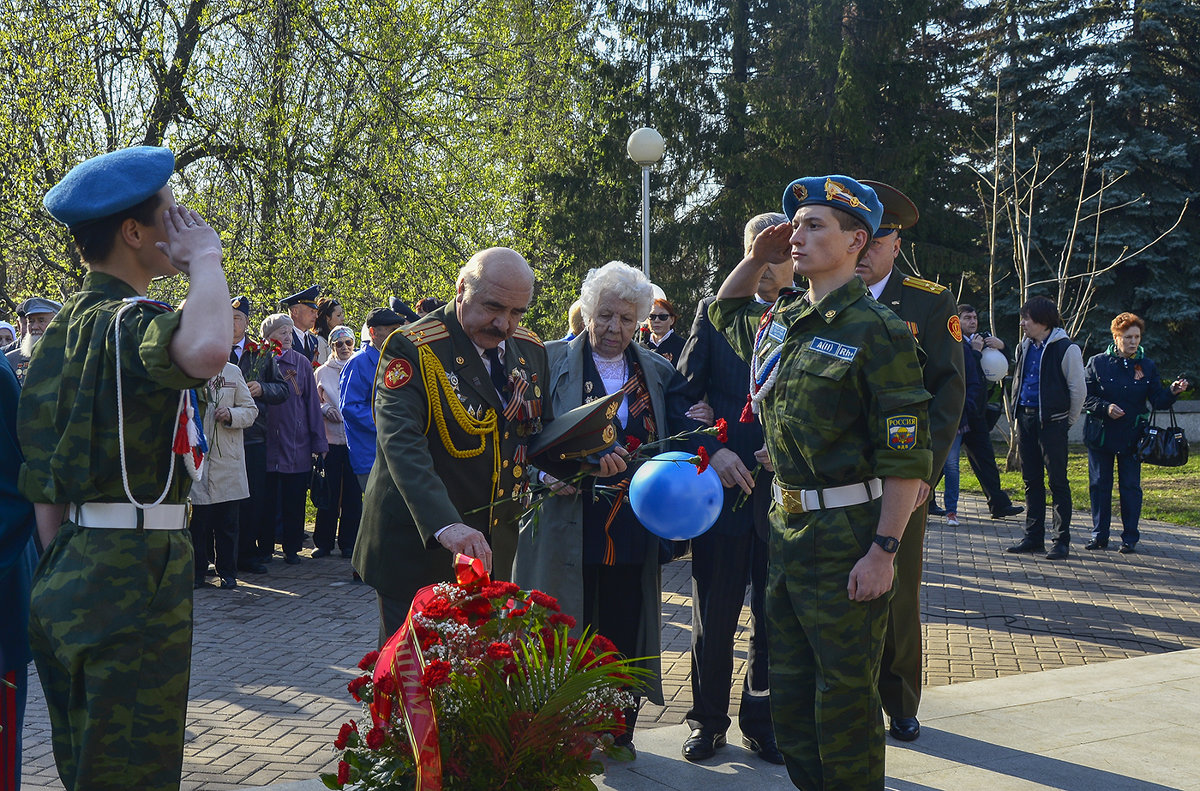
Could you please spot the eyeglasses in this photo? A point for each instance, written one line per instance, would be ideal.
(659, 316)
(347, 342)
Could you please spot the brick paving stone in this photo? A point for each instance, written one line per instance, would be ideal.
(271, 658)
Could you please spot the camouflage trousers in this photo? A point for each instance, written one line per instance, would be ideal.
(900, 674)
(111, 631)
(825, 650)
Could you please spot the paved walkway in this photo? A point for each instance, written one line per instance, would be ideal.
(271, 660)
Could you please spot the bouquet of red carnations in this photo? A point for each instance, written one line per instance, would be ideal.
(261, 355)
(484, 689)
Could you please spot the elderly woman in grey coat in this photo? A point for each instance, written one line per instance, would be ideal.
(586, 546)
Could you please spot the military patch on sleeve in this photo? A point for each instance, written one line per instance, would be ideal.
(902, 432)
(833, 349)
(397, 374)
(955, 328)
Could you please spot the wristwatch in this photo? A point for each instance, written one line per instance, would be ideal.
(888, 543)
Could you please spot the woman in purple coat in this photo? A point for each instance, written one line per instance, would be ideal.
(295, 433)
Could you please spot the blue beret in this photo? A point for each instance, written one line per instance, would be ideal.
(308, 295)
(38, 305)
(899, 212)
(242, 303)
(109, 183)
(838, 192)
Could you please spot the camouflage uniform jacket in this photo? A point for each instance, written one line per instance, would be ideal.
(68, 413)
(848, 404)
(429, 470)
(931, 313)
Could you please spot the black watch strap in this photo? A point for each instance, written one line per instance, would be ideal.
(888, 543)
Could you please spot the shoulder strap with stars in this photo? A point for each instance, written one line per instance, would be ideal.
(923, 285)
(526, 334)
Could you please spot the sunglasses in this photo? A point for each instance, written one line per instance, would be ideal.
(347, 342)
(660, 316)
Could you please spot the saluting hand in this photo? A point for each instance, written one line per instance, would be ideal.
(189, 239)
(463, 540)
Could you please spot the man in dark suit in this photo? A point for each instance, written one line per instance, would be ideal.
(733, 553)
(256, 534)
(458, 396)
(302, 307)
(931, 313)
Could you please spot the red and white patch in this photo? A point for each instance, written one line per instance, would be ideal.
(397, 374)
(955, 328)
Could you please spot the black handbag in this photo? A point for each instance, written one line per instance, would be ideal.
(320, 488)
(1093, 431)
(1163, 446)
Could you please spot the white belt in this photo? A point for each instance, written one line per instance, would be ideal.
(799, 501)
(117, 516)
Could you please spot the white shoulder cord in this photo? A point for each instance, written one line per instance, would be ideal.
(121, 423)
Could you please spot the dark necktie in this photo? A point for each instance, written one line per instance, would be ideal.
(497, 371)
(233, 355)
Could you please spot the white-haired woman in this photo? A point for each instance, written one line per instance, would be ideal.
(585, 547)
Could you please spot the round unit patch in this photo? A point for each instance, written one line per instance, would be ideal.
(397, 374)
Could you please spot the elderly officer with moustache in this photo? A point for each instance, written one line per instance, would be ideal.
(35, 314)
(931, 313)
(836, 380)
(458, 395)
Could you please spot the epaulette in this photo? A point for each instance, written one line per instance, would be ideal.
(424, 332)
(528, 335)
(924, 285)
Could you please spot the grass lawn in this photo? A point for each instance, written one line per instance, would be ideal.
(1170, 494)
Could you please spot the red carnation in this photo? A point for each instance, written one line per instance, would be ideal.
(700, 460)
(544, 599)
(368, 661)
(343, 773)
(722, 430)
(496, 590)
(376, 737)
(518, 612)
(561, 618)
(386, 685)
(436, 674)
(354, 686)
(602, 645)
(632, 443)
(344, 735)
(436, 609)
(498, 651)
(478, 608)
(429, 640)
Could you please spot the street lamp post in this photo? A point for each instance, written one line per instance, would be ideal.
(645, 147)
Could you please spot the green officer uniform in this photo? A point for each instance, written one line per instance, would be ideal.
(111, 615)
(847, 407)
(931, 314)
(446, 449)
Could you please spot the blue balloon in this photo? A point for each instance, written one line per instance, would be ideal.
(671, 500)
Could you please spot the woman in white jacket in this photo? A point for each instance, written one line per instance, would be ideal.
(216, 496)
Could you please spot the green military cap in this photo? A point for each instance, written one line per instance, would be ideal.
(583, 434)
(899, 212)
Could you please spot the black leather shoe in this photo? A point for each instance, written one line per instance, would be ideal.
(1011, 510)
(1096, 543)
(1127, 549)
(906, 729)
(228, 582)
(321, 553)
(935, 510)
(292, 559)
(1026, 545)
(1057, 552)
(702, 744)
(766, 749)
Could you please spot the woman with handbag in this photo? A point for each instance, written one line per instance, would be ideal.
(1119, 383)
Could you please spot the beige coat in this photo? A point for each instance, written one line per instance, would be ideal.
(224, 472)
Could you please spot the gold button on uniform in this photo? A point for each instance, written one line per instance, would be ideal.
(517, 471)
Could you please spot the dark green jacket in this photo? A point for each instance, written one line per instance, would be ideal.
(931, 314)
(421, 483)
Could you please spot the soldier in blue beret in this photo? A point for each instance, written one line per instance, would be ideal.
(111, 606)
(302, 307)
(836, 382)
